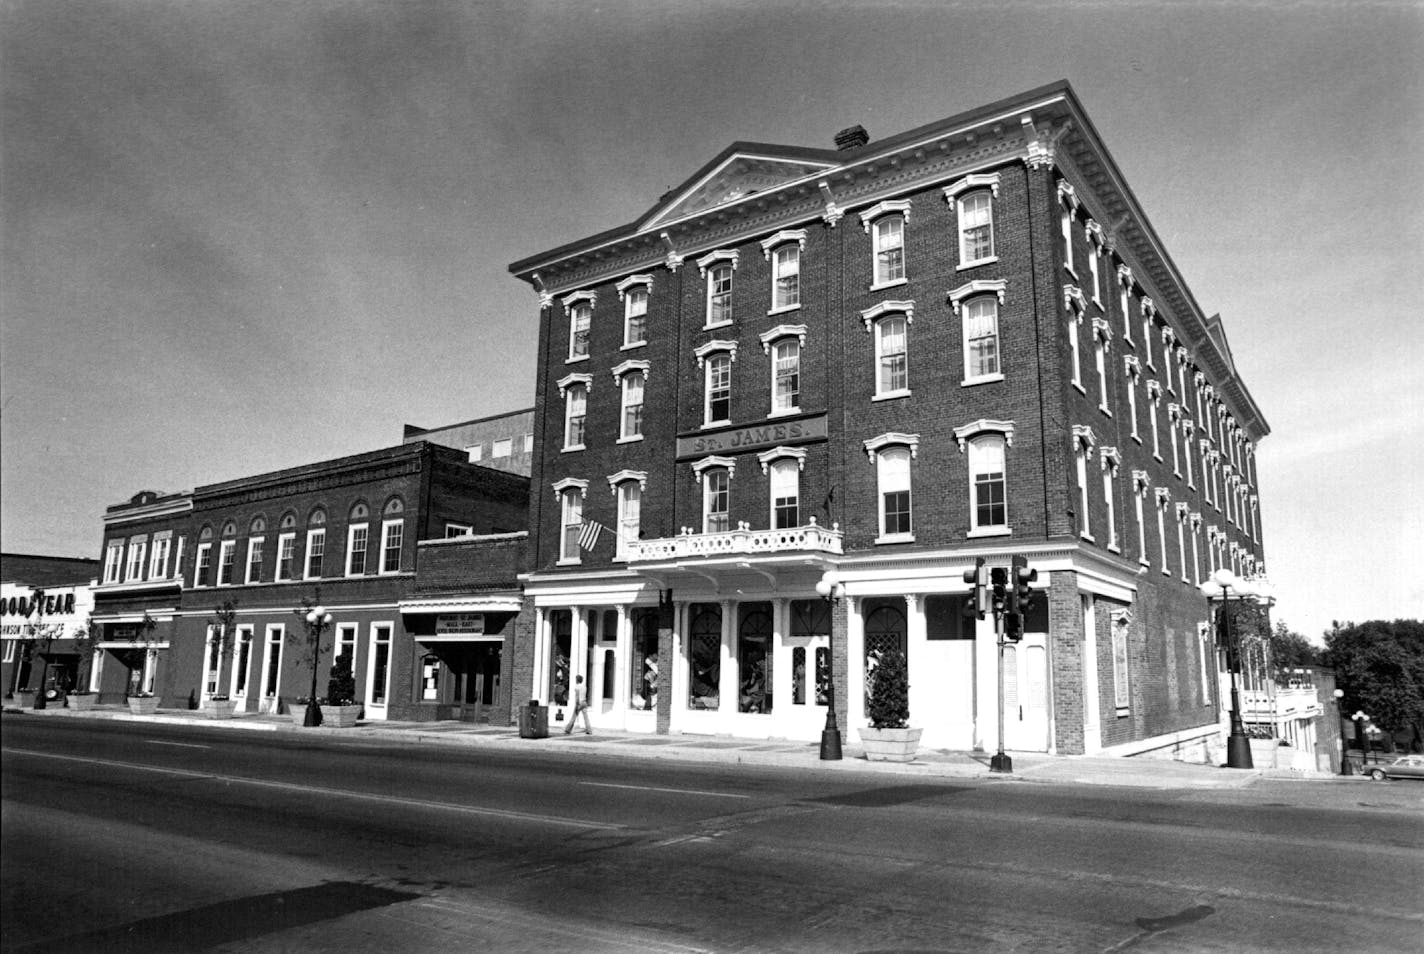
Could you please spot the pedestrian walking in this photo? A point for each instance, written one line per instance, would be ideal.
(580, 706)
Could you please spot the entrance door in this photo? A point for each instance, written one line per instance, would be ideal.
(378, 674)
(1026, 694)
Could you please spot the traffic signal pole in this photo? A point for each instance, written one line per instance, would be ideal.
(1001, 761)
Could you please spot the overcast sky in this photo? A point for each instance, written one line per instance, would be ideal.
(242, 236)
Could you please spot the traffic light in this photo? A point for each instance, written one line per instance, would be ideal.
(977, 603)
(999, 578)
(1013, 627)
(1021, 597)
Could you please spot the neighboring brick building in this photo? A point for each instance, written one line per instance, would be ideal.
(345, 533)
(501, 441)
(880, 362)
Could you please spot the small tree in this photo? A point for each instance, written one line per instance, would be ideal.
(86, 643)
(890, 693)
(341, 685)
(224, 623)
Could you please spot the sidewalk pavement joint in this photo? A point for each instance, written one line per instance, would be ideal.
(1029, 766)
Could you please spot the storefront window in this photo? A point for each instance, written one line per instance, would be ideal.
(754, 661)
(562, 623)
(705, 656)
(643, 686)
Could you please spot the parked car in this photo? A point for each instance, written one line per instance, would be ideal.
(1406, 766)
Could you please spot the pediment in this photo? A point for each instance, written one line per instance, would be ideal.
(736, 175)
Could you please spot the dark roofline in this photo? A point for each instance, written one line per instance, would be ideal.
(351, 462)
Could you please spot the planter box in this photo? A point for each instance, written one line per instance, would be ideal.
(340, 717)
(890, 745)
(143, 705)
(83, 703)
(25, 698)
(220, 708)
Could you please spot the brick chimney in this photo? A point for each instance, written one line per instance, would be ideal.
(852, 138)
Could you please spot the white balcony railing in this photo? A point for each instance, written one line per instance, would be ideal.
(742, 540)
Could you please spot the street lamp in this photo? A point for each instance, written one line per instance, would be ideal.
(1238, 746)
(317, 620)
(1344, 745)
(830, 588)
(1360, 722)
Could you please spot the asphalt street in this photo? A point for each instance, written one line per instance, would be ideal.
(129, 836)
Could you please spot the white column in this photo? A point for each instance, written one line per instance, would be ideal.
(924, 688)
(540, 676)
(578, 649)
(622, 656)
(1092, 723)
(781, 658)
(676, 667)
(729, 684)
(986, 684)
(854, 705)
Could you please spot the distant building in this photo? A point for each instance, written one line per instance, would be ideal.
(502, 441)
(868, 366)
(43, 601)
(345, 533)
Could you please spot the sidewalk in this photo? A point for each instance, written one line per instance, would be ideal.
(1028, 766)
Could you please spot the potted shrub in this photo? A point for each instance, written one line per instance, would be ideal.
(145, 703)
(220, 707)
(86, 643)
(889, 738)
(340, 710)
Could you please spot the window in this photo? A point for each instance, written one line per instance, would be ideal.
(1196, 520)
(783, 250)
(987, 486)
(1083, 442)
(785, 493)
(1073, 302)
(575, 415)
(254, 559)
(138, 547)
(981, 340)
(888, 240)
(272, 663)
(1124, 281)
(1149, 312)
(1133, 370)
(113, 561)
(380, 673)
(286, 551)
(1187, 428)
(1095, 251)
(345, 643)
(1154, 401)
(704, 656)
(529, 443)
(241, 659)
(502, 447)
(786, 376)
(458, 530)
(392, 534)
(178, 557)
(476, 452)
(1139, 494)
(1183, 515)
(891, 330)
(719, 294)
(1111, 462)
(631, 415)
(976, 228)
(580, 322)
(1102, 340)
(202, 575)
(1069, 200)
(571, 523)
(786, 278)
(893, 477)
(158, 562)
(718, 379)
(356, 540)
(1122, 698)
(226, 553)
(630, 508)
(316, 548)
(1168, 337)
(635, 316)
(716, 500)
(1174, 421)
(1164, 500)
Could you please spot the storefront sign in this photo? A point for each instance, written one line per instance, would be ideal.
(459, 624)
(28, 613)
(758, 437)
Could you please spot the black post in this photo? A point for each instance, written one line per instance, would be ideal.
(1238, 745)
(831, 734)
(313, 714)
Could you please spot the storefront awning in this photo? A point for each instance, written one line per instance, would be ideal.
(460, 638)
(501, 603)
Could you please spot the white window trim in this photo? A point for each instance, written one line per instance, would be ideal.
(204, 550)
(386, 526)
(774, 243)
(350, 552)
(705, 264)
(1111, 462)
(622, 375)
(268, 643)
(282, 540)
(873, 448)
(563, 490)
(312, 534)
(158, 553)
(767, 340)
(114, 561)
(768, 457)
(958, 297)
(868, 218)
(569, 301)
(966, 435)
(871, 318)
(1084, 441)
(567, 385)
(226, 547)
(955, 195)
(254, 547)
(623, 476)
(137, 559)
(632, 281)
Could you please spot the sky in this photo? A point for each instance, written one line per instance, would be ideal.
(242, 236)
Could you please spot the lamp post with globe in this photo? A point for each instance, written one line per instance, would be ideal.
(317, 620)
(1223, 587)
(830, 588)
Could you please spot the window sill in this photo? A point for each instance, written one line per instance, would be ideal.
(978, 532)
(572, 562)
(784, 309)
(632, 345)
(1123, 713)
(571, 448)
(1068, 267)
(891, 395)
(785, 412)
(893, 283)
(976, 263)
(1114, 548)
(1136, 438)
(1129, 342)
(720, 324)
(895, 538)
(1086, 536)
(1079, 388)
(1166, 572)
(1157, 457)
(982, 379)
(708, 425)
(630, 440)
(1099, 302)
(1104, 409)
(576, 360)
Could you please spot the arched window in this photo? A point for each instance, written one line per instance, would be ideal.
(754, 657)
(704, 656)
(885, 632)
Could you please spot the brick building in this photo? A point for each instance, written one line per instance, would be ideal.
(500, 441)
(345, 533)
(873, 364)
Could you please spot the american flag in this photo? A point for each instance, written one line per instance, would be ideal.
(588, 536)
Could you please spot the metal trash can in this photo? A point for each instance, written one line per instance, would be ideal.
(533, 721)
